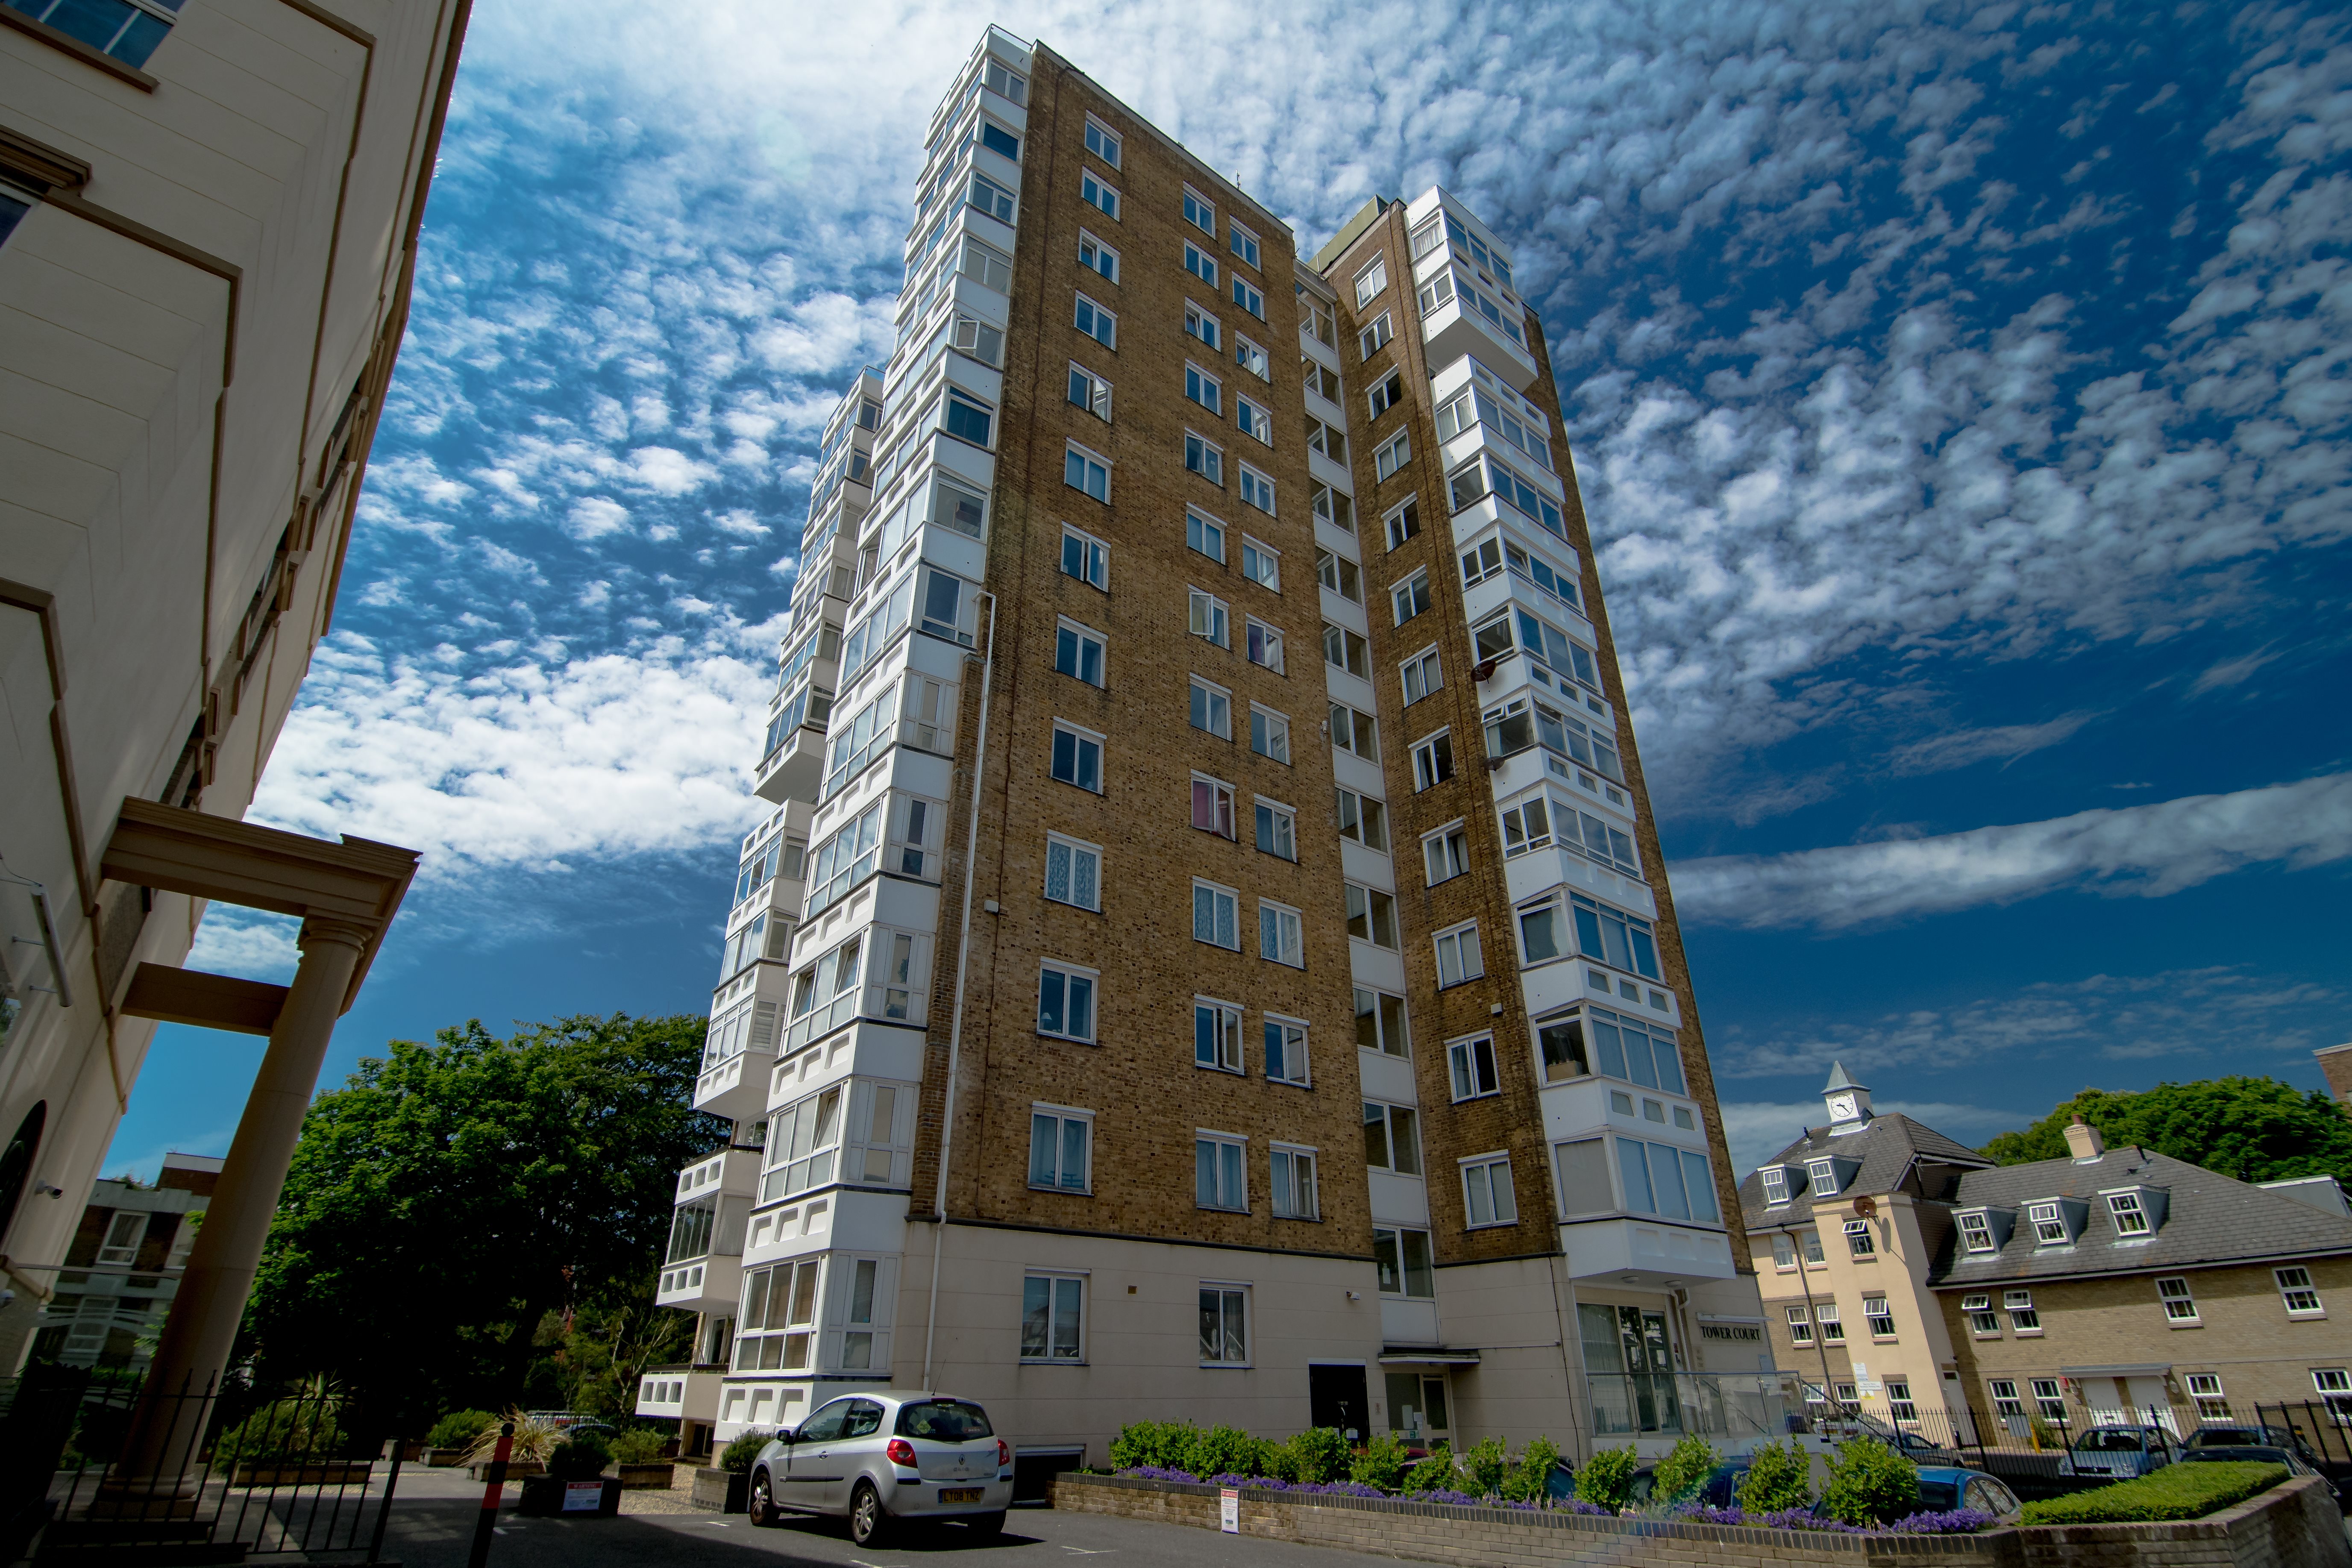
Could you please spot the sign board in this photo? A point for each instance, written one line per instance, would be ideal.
(1229, 1506)
(1748, 1332)
(582, 1497)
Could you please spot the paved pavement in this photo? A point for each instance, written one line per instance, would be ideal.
(433, 1525)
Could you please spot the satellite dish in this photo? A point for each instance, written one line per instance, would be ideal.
(1866, 1206)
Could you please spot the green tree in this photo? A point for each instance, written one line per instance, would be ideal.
(449, 1197)
(2254, 1129)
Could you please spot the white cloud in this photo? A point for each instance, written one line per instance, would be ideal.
(2143, 851)
(1959, 748)
(251, 944)
(594, 517)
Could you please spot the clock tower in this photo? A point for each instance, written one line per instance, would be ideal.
(1849, 1101)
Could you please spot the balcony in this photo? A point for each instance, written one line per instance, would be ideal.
(731, 1173)
(683, 1392)
(1546, 987)
(701, 1285)
(794, 769)
(1644, 1253)
(1452, 330)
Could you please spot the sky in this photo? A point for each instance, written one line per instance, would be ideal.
(1958, 393)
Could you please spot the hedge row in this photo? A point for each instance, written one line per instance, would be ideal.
(2174, 1492)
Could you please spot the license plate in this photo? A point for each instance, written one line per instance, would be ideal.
(960, 1494)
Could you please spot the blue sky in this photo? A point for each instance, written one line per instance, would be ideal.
(1958, 393)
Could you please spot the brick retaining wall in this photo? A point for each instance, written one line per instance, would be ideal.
(2293, 1526)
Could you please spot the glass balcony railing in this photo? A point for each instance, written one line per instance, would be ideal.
(1723, 1405)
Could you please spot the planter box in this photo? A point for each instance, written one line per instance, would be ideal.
(553, 1497)
(2291, 1526)
(517, 1469)
(445, 1458)
(728, 1491)
(302, 1473)
(647, 1478)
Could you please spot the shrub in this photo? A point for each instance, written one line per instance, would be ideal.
(535, 1437)
(1779, 1477)
(639, 1446)
(1485, 1464)
(1382, 1464)
(580, 1458)
(1161, 1445)
(1531, 1478)
(459, 1428)
(1607, 1479)
(737, 1456)
(1321, 1455)
(1435, 1474)
(1870, 1483)
(1277, 1462)
(1224, 1451)
(297, 1428)
(2176, 1492)
(1686, 1468)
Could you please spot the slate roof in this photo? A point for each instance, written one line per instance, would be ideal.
(2209, 1219)
(1886, 1147)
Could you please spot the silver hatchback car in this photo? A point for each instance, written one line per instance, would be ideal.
(884, 1459)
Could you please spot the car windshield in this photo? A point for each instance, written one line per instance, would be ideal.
(2224, 1437)
(944, 1421)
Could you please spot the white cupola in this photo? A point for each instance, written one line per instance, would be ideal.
(1849, 1101)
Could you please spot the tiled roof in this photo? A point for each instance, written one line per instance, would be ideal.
(2209, 1219)
(1885, 1148)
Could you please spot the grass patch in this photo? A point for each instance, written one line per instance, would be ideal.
(2174, 1492)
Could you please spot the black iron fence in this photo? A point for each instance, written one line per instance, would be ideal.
(102, 1463)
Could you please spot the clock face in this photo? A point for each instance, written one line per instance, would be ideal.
(1842, 1107)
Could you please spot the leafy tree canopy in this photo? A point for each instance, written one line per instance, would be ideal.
(2254, 1129)
(451, 1196)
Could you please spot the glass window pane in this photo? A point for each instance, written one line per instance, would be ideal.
(1700, 1188)
(1666, 1182)
(1041, 1150)
(1074, 1153)
(1633, 1170)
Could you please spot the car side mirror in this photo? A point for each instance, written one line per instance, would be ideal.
(787, 1436)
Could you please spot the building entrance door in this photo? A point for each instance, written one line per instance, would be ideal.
(1336, 1396)
(1417, 1407)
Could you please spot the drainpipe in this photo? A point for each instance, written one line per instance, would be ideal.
(955, 1022)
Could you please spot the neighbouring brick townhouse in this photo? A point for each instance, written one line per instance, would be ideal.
(1910, 1277)
(1210, 955)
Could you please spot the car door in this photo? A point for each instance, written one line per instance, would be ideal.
(857, 1451)
(813, 1472)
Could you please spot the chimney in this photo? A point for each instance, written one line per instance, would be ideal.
(2085, 1140)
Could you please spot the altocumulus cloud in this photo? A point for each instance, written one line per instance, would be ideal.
(2143, 851)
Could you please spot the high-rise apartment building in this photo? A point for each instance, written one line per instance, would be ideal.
(1211, 955)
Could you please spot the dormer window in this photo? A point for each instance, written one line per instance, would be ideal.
(1823, 1176)
(1975, 1233)
(2049, 1222)
(1776, 1184)
(2131, 1218)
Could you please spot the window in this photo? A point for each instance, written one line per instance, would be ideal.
(1365, 819)
(1203, 325)
(2050, 1229)
(1811, 1241)
(1433, 760)
(1204, 388)
(1262, 645)
(1217, 1179)
(1372, 916)
(2333, 1385)
(1097, 256)
(1293, 1179)
(1898, 1400)
(2179, 1305)
(1421, 675)
(1406, 1263)
(966, 418)
(1825, 1318)
(1096, 322)
(1253, 358)
(1411, 596)
(1370, 340)
(1216, 1035)
(1060, 1144)
(1204, 457)
(1090, 392)
(1085, 471)
(1077, 757)
(1085, 558)
(1975, 1233)
(1823, 1174)
(2047, 1399)
(1403, 524)
(1315, 320)
(1393, 455)
(1212, 806)
(124, 1233)
(1979, 1311)
(2022, 1317)
(1859, 1241)
(1672, 1183)
(1279, 936)
(1277, 834)
(1078, 652)
(1392, 1138)
(1211, 709)
(1332, 506)
(1371, 281)
(1470, 1068)
(1801, 1326)
(1066, 1003)
(2205, 1388)
(1269, 734)
(1776, 1186)
(2128, 1212)
(1249, 297)
(1486, 1192)
(1458, 958)
(1326, 440)
(1208, 617)
(1445, 853)
(128, 32)
(997, 202)
(1216, 916)
(1053, 1312)
(1254, 420)
(1243, 242)
(1387, 394)
(976, 338)
(1101, 141)
(1095, 194)
(779, 1317)
(998, 140)
(1352, 732)
(2295, 1290)
(1199, 212)
(1380, 1023)
(1225, 1336)
(1344, 650)
(1257, 489)
(1879, 1316)
(1200, 263)
(1073, 872)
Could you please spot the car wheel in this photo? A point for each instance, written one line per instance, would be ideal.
(759, 1504)
(986, 1523)
(868, 1524)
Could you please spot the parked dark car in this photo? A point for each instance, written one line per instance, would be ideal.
(2245, 1434)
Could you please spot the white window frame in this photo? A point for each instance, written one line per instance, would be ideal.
(1828, 1320)
(2124, 1218)
(1385, 394)
(1102, 314)
(1472, 1073)
(1371, 897)
(1249, 296)
(1252, 358)
(1444, 841)
(1212, 457)
(1097, 391)
(1208, 617)
(1288, 924)
(1347, 731)
(2178, 1299)
(1230, 1294)
(1195, 206)
(1100, 137)
(1427, 760)
(2024, 1317)
(1404, 1047)
(1061, 1115)
(1460, 946)
(1087, 239)
(1268, 573)
(1355, 831)
(1501, 1195)
(1277, 813)
(1300, 1072)
(2047, 1213)
(2295, 1286)
(1077, 849)
(1402, 522)
(1978, 1310)
(1217, 700)
(1202, 327)
(1275, 726)
(1885, 1314)
(1093, 459)
(1977, 1225)
(1255, 419)
(1225, 1029)
(1223, 1140)
(1218, 893)
(1068, 971)
(2205, 1395)
(1371, 280)
(1091, 550)
(1860, 1241)
(1082, 737)
(1294, 1156)
(1098, 194)
(1220, 793)
(1255, 489)
(1236, 234)
(1391, 455)
(1055, 1280)
(1375, 335)
(1775, 1180)
(1410, 590)
(1201, 265)
(1800, 1323)
(1262, 637)
(1204, 389)
(1083, 635)
(1421, 675)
